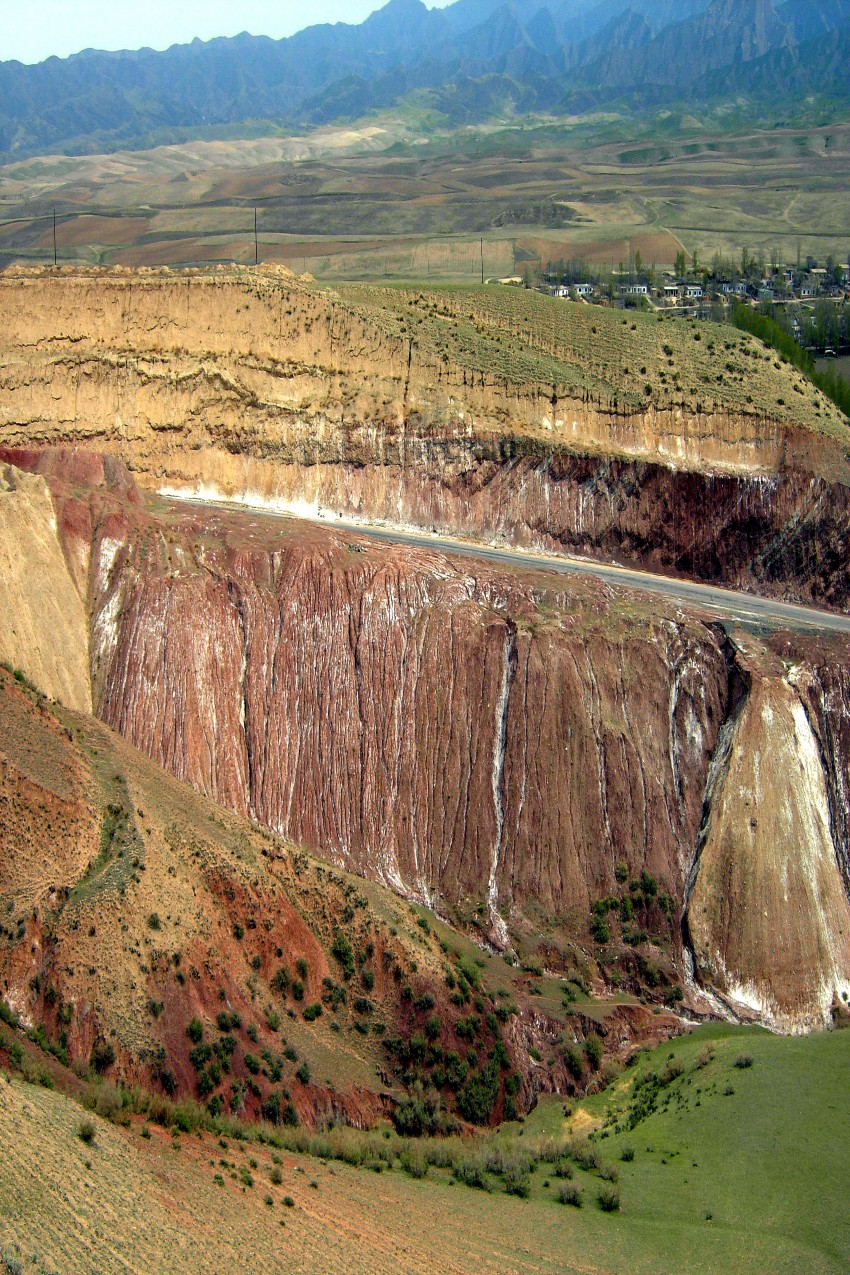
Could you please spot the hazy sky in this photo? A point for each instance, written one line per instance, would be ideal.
(32, 30)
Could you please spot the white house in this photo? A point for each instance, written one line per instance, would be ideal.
(583, 289)
(694, 292)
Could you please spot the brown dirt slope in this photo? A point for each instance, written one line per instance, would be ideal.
(132, 1206)
(130, 905)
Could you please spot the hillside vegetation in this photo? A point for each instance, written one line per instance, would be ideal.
(636, 361)
(681, 1166)
(147, 934)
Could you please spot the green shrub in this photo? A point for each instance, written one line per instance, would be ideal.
(280, 982)
(593, 1047)
(414, 1164)
(342, 950)
(86, 1131)
(599, 928)
(8, 1015)
(200, 1056)
(195, 1031)
(303, 1073)
(471, 1171)
(608, 1199)
(517, 1180)
(477, 1098)
(627, 1154)
(743, 1061)
(312, 1012)
(584, 1155)
(570, 1194)
(102, 1056)
(574, 1062)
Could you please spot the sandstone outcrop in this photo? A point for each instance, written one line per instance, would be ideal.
(43, 621)
(768, 915)
(260, 386)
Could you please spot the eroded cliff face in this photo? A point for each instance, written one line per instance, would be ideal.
(485, 742)
(43, 622)
(510, 747)
(258, 386)
(768, 914)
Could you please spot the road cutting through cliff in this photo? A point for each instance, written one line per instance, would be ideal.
(746, 609)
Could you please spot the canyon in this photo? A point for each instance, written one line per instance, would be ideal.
(587, 776)
(508, 749)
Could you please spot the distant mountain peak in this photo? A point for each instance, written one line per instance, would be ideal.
(530, 54)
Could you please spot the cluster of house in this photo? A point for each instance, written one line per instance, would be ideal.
(672, 293)
(683, 293)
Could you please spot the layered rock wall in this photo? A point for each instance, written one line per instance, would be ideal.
(43, 622)
(261, 387)
(768, 915)
(481, 742)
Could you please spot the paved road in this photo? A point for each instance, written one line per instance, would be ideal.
(727, 604)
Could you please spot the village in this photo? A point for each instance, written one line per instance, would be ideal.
(809, 300)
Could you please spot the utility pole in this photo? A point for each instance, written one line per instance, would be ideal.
(55, 254)
(256, 241)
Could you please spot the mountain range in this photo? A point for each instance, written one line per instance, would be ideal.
(472, 59)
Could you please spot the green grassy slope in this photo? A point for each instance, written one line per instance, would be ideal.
(735, 1168)
(633, 360)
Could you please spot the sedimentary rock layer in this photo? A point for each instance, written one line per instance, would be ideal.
(768, 916)
(260, 385)
(484, 741)
(43, 622)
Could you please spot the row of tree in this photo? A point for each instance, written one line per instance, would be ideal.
(749, 267)
(767, 329)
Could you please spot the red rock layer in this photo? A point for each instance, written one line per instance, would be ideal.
(489, 741)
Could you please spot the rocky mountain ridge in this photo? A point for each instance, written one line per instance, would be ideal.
(528, 56)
